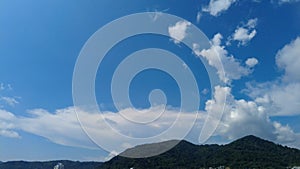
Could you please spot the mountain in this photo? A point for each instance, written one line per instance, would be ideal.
(49, 165)
(247, 152)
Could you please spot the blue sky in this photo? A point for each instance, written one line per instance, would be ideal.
(258, 43)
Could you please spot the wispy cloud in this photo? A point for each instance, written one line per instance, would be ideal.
(11, 101)
(62, 126)
(198, 17)
(5, 98)
(155, 14)
(4, 86)
(7, 126)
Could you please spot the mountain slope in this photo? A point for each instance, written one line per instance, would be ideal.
(247, 152)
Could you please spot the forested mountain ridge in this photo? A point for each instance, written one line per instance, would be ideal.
(247, 152)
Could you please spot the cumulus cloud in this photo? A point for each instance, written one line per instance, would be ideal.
(228, 68)
(281, 96)
(285, 134)
(251, 62)
(288, 59)
(216, 7)
(243, 34)
(242, 117)
(179, 31)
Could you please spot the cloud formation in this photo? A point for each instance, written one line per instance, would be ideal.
(62, 126)
(281, 96)
(215, 7)
(179, 31)
(4, 86)
(229, 68)
(251, 62)
(241, 117)
(7, 127)
(243, 34)
(288, 60)
(11, 101)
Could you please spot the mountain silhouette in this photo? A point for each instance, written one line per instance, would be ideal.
(246, 152)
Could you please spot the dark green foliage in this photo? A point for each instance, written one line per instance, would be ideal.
(49, 165)
(247, 152)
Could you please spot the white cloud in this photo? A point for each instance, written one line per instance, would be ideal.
(62, 126)
(241, 117)
(281, 96)
(244, 33)
(179, 31)
(288, 59)
(251, 62)
(280, 99)
(285, 134)
(7, 100)
(11, 101)
(228, 68)
(251, 23)
(286, 98)
(215, 7)
(6, 125)
(9, 133)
